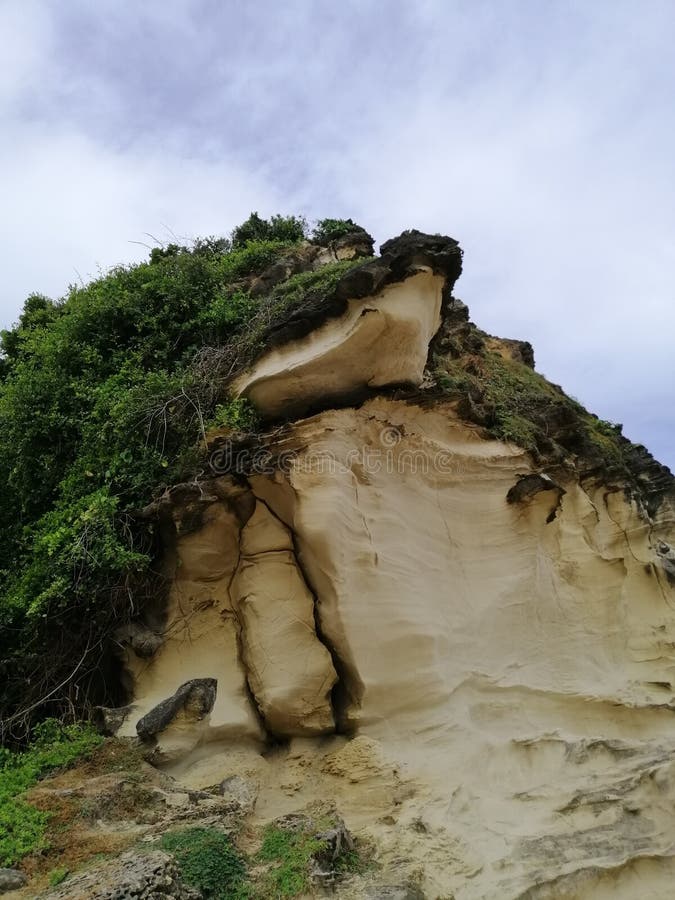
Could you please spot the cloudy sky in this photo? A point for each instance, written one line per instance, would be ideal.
(539, 133)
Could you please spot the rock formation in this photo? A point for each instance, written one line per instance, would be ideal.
(469, 645)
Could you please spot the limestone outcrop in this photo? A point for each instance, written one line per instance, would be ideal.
(468, 644)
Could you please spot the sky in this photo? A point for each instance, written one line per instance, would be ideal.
(538, 133)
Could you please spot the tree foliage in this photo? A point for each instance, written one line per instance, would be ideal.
(278, 228)
(327, 230)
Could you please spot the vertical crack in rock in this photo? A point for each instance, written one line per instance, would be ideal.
(238, 628)
(289, 669)
(341, 696)
(344, 694)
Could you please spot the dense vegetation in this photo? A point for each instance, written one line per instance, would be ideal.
(22, 826)
(102, 405)
(209, 861)
(284, 866)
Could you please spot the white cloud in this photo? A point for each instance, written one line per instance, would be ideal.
(76, 206)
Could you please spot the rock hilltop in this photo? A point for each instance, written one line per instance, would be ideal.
(425, 589)
(444, 585)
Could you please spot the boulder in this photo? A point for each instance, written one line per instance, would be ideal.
(194, 700)
(239, 789)
(11, 880)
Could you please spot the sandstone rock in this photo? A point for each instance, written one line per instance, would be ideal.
(323, 349)
(355, 245)
(513, 659)
(240, 789)
(143, 640)
(202, 633)
(194, 700)
(667, 556)
(539, 485)
(276, 609)
(176, 725)
(336, 361)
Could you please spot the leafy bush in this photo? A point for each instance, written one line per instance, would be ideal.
(279, 228)
(239, 415)
(291, 852)
(58, 875)
(208, 861)
(327, 230)
(22, 826)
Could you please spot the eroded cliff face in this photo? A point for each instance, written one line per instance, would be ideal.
(471, 653)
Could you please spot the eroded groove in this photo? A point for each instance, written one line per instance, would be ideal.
(345, 694)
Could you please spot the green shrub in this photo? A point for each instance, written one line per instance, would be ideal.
(58, 875)
(252, 258)
(208, 861)
(22, 827)
(291, 853)
(327, 230)
(279, 228)
(228, 313)
(239, 415)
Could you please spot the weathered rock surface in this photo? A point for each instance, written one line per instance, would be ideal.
(395, 892)
(667, 556)
(337, 360)
(492, 642)
(325, 351)
(201, 632)
(241, 790)
(134, 876)
(276, 610)
(11, 880)
(193, 699)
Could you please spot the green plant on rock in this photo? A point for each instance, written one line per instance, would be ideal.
(58, 875)
(209, 861)
(290, 852)
(517, 404)
(274, 308)
(295, 852)
(238, 415)
(305, 285)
